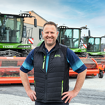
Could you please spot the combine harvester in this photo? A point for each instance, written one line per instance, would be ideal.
(13, 50)
(96, 50)
(71, 37)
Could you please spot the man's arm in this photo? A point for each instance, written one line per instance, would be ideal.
(79, 83)
(26, 84)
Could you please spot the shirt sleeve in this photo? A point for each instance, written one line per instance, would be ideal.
(28, 63)
(75, 62)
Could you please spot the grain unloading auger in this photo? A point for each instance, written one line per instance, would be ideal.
(71, 37)
(13, 46)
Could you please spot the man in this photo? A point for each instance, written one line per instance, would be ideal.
(51, 62)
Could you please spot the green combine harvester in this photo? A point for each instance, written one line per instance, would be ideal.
(13, 35)
(15, 45)
(96, 49)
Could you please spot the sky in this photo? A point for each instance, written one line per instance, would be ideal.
(71, 13)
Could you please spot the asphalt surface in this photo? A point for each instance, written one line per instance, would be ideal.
(92, 93)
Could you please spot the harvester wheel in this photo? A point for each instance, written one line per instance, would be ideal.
(100, 75)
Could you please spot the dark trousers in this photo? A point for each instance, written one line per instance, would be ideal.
(53, 103)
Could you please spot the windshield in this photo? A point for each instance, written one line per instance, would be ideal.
(94, 45)
(103, 44)
(69, 37)
(11, 29)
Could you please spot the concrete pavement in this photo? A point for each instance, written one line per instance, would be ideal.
(6, 99)
(92, 93)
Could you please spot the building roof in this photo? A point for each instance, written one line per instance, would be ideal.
(39, 16)
(40, 20)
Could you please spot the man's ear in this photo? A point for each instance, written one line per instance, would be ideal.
(57, 33)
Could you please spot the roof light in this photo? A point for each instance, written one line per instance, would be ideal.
(30, 12)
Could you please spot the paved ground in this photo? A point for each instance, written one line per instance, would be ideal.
(92, 93)
(6, 99)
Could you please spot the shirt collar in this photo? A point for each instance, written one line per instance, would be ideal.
(50, 50)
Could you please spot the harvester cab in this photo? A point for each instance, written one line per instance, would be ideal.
(71, 37)
(14, 46)
(93, 46)
(103, 45)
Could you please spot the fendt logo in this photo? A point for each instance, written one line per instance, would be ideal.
(7, 46)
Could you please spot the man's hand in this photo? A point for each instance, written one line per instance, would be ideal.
(69, 95)
(31, 94)
(26, 84)
(79, 82)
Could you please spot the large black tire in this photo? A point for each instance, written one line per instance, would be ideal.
(100, 75)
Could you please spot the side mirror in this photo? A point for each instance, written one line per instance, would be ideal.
(89, 33)
(24, 32)
(35, 22)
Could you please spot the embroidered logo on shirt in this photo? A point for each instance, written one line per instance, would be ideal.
(57, 55)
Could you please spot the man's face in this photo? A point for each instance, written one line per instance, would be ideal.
(50, 35)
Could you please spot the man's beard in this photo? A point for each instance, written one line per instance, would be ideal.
(50, 44)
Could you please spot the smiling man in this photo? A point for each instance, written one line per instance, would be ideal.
(51, 62)
(50, 35)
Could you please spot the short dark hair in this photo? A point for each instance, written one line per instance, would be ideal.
(50, 23)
